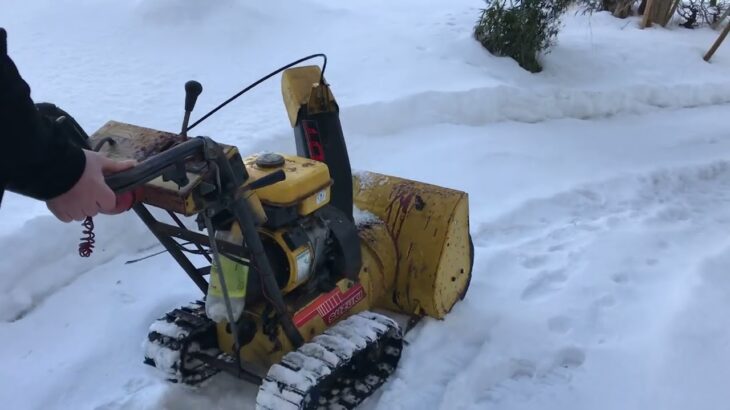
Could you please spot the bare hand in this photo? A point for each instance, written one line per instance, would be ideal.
(91, 194)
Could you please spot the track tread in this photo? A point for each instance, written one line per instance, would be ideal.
(174, 335)
(335, 370)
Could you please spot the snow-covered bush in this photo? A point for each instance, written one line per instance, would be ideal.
(521, 29)
(691, 13)
(696, 13)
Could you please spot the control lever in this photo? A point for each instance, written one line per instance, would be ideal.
(192, 91)
(267, 180)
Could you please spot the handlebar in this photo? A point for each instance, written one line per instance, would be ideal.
(159, 164)
(153, 167)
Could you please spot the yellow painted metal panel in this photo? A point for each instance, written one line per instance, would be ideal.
(430, 227)
(307, 183)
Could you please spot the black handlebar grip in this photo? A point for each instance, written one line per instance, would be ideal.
(153, 167)
(192, 91)
(128, 180)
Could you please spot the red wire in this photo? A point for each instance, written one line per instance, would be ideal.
(87, 242)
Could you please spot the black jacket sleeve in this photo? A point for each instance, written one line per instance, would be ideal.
(34, 161)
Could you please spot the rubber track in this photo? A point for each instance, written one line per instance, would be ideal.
(338, 369)
(178, 333)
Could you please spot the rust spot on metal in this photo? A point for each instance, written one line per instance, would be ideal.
(397, 210)
(140, 143)
(420, 204)
(132, 142)
(396, 298)
(412, 274)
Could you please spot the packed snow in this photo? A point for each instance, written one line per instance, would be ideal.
(598, 191)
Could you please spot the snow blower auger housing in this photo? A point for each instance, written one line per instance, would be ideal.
(305, 266)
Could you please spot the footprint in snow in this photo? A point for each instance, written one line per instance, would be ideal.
(525, 375)
(570, 358)
(544, 283)
(523, 369)
(605, 301)
(620, 278)
(533, 262)
(560, 324)
(560, 369)
(557, 248)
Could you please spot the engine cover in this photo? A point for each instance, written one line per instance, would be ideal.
(306, 187)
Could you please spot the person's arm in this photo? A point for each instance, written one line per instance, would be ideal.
(32, 162)
(36, 162)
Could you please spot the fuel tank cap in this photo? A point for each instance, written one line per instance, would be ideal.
(270, 160)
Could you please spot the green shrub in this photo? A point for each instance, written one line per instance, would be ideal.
(521, 31)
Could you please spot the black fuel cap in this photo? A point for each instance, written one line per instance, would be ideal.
(270, 160)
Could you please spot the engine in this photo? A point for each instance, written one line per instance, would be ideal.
(307, 240)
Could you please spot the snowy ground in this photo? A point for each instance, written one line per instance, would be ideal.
(598, 192)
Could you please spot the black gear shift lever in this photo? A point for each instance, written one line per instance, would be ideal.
(192, 91)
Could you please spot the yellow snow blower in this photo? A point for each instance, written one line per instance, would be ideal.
(305, 266)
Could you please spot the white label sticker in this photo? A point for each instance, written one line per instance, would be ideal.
(304, 262)
(321, 197)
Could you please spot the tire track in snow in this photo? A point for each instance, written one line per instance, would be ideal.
(557, 280)
(669, 194)
(486, 105)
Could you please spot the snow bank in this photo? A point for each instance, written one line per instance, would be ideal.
(42, 257)
(493, 104)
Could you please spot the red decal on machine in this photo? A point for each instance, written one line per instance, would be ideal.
(316, 151)
(331, 306)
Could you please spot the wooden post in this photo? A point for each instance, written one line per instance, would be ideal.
(623, 8)
(659, 11)
(715, 46)
(646, 19)
(672, 10)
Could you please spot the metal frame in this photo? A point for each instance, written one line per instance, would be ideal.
(224, 193)
(228, 185)
(165, 234)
